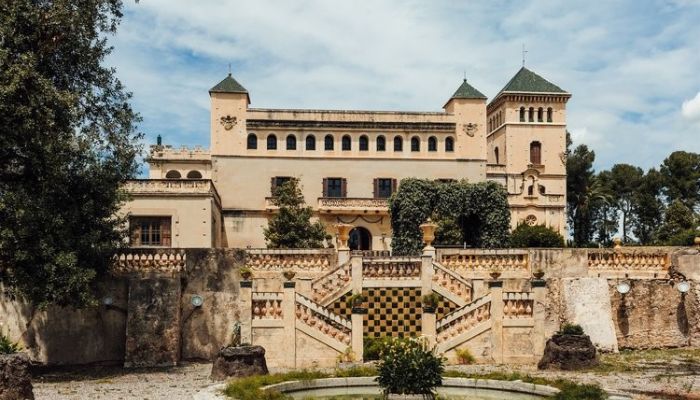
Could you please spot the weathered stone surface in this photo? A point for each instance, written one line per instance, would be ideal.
(15, 379)
(239, 362)
(153, 324)
(568, 352)
(587, 297)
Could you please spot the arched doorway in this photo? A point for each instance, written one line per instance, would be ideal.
(360, 239)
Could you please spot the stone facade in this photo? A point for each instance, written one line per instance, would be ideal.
(349, 163)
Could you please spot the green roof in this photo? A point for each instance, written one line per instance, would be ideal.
(228, 85)
(467, 91)
(528, 81)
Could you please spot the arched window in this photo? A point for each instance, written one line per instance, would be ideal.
(432, 143)
(194, 175)
(364, 143)
(536, 153)
(172, 174)
(449, 144)
(346, 143)
(540, 114)
(328, 142)
(531, 114)
(415, 144)
(530, 190)
(271, 142)
(291, 142)
(252, 141)
(495, 153)
(398, 143)
(381, 143)
(549, 114)
(311, 142)
(522, 114)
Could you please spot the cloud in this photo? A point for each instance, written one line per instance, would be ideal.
(617, 59)
(691, 108)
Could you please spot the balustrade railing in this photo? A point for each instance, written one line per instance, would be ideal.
(465, 263)
(319, 318)
(331, 203)
(452, 282)
(628, 260)
(463, 319)
(378, 269)
(143, 260)
(331, 283)
(267, 305)
(517, 304)
(296, 260)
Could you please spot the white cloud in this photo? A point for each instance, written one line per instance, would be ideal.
(691, 108)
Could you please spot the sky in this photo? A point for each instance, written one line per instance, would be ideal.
(632, 67)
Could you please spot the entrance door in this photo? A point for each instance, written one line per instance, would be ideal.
(360, 239)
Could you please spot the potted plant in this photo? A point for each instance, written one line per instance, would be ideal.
(356, 301)
(246, 273)
(289, 274)
(430, 302)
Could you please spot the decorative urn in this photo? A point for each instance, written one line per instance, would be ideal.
(428, 229)
(343, 235)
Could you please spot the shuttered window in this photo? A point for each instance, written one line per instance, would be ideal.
(150, 231)
(335, 187)
(384, 187)
(277, 181)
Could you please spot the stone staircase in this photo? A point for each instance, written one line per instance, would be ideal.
(451, 285)
(321, 324)
(331, 286)
(463, 324)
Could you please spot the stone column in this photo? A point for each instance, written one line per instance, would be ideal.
(496, 289)
(356, 273)
(343, 256)
(289, 342)
(246, 303)
(356, 340)
(429, 325)
(426, 274)
(539, 288)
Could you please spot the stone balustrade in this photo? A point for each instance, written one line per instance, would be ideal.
(165, 260)
(452, 282)
(180, 153)
(628, 259)
(321, 319)
(331, 283)
(463, 319)
(471, 262)
(267, 305)
(394, 270)
(316, 260)
(331, 204)
(518, 304)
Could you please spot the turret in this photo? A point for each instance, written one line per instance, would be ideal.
(229, 103)
(469, 108)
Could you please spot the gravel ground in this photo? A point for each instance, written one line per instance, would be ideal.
(668, 379)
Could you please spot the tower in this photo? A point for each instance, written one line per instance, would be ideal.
(468, 105)
(229, 103)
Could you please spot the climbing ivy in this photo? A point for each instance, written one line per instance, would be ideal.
(475, 214)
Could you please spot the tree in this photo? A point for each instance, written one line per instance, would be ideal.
(625, 181)
(583, 196)
(535, 236)
(677, 221)
(291, 227)
(68, 139)
(681, 178)
(648, 207)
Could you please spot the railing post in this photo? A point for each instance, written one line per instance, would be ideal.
(496, 289)
(356, 336)
(289, 342)
(246, 307)
(356, 273)
(539, 287)
(429, 326)
(343, 256)
(426, 274)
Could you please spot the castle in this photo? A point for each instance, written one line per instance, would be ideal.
(349, 163)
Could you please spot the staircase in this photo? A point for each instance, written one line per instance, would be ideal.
(329, 287)
(451, 285)
(321, 324)
(464, 323)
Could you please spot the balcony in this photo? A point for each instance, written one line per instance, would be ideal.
(353, 204)
(171, 187)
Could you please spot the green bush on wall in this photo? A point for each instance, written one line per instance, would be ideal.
(473, 214)
(535, 236)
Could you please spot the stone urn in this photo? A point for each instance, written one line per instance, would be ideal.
(239, 362)
(343, 235)
(15, 378)
(697, 241)
(568, 352)
(428, 229)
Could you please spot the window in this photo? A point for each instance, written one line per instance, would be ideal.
(549, 114)
(495, 153)
(311, 142)
(536, 153)
(172, 174)
(540, 114)
(334, 187)
(328, 142)
(449, 144)
(432, 143)
(291, 142)
(252, 141)
(346, 143)
(364, 143)
(194, 175)
(150, 231)
(541, 189)
(381, 143)
(272, 142)
(530, 190)
(384, 187)
(522, 114)
(398, 143)
(531, 114)
(278, 181)
(415, 144)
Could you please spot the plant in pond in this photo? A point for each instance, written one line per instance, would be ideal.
(7, 346)
(409, 366)
(570, 329)
(464, 356)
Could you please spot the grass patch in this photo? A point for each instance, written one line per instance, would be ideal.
(640, 360)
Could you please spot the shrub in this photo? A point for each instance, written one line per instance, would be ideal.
(373, 347)
(570, 329)
(535, 236)
(7, 346)
(574, 391)
(464, 356)
(408, 366)
(431, 300)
